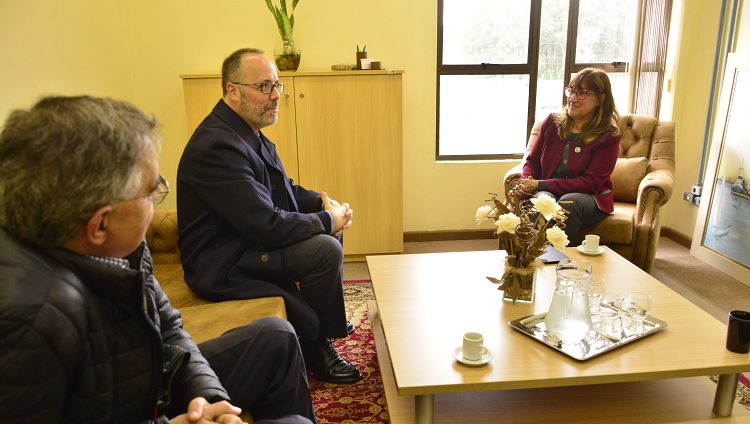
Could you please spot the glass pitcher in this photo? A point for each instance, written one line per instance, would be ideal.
(569, 316)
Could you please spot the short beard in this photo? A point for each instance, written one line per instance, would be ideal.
(254, 114)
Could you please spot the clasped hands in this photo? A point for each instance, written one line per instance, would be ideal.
(526, 187)
(342, 214)
(201, 412)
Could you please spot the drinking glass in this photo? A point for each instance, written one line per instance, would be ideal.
(638, 307)
(609, 311)
(596, 290)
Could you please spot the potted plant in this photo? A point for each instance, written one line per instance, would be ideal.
(287, 55)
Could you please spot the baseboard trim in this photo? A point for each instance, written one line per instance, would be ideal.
(447, 235)
(677, 237)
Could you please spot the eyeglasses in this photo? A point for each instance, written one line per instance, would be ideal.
(581, 94)
(265, 86)
(156, 196)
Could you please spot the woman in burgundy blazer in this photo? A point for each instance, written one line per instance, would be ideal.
(576, 151)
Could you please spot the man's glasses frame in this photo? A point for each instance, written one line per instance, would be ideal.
(581, 94)
(265, 87)
(156, 196)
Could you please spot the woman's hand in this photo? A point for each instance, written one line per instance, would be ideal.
(527, 187)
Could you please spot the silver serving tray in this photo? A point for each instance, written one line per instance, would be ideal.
(595, 342)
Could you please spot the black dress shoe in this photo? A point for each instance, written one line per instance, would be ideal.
(326, 364)
(349, 328)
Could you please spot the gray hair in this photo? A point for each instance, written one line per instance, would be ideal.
(66, 157)
(231, 67)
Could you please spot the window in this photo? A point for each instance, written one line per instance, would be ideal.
(503, 64)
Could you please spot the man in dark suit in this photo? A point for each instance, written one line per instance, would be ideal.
(247, 231)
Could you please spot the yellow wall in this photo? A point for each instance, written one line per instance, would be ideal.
(62, 47)
(136, 50)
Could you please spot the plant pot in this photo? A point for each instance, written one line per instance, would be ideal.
(287, 55)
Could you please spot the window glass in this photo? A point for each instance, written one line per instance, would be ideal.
(620, 90)
(605, 37)
(483, 114)
(485, 31)
(484, 111)
(554, 32)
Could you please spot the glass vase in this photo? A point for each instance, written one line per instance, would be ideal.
(526, 285)
(287, 55)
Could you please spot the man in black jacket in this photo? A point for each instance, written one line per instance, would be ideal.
(246, 230)
(86, 333)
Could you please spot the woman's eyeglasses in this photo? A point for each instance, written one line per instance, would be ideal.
(581, 94)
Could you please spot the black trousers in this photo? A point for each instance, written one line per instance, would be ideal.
(318, 265)
(582, 212)
(262, 369)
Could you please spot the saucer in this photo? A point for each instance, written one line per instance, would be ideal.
(585, 252)
(458, 354)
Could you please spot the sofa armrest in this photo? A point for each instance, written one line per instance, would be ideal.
(655, 190)
(514, 172)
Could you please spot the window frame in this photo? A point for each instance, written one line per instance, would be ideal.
(530, 68)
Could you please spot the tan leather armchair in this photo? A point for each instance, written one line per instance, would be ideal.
(643, 181)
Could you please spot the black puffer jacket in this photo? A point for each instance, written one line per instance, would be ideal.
(82, 342)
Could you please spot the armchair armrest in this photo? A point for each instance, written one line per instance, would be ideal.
(654, 191)
(514, 172)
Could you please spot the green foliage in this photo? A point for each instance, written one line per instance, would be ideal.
(284, 17)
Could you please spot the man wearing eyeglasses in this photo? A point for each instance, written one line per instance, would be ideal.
(86, 333)
(247, 231)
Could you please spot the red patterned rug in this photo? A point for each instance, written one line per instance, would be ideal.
(363, 402)
(742, 396)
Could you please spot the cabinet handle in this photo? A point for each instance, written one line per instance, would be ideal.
(301, 95)
(286, 99)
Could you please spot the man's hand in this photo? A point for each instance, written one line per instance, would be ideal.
(342, 214)
(201, 412)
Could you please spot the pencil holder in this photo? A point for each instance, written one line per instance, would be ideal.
(360, 56)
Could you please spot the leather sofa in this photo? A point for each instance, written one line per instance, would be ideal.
(202, 318)
(643, 181)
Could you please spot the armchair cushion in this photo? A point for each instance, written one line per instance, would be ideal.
(626, 178)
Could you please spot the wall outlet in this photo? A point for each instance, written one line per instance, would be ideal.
(688, 196)
(697, 200)
(696, 190)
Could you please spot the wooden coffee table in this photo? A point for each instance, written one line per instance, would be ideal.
(425, 302)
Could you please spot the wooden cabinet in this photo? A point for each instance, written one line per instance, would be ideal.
(339, 132)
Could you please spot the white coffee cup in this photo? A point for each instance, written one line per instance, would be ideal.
(473, 347)
(591, 243)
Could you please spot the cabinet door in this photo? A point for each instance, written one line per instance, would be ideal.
(201, 95)
(349, 133)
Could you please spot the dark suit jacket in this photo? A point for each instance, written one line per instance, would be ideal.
(236, 209)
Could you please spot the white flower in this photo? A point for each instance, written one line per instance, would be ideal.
(546, 206)
(483, 213)
(507, 222)
(557, 237)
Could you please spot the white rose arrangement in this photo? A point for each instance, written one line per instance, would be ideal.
(525, 227)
